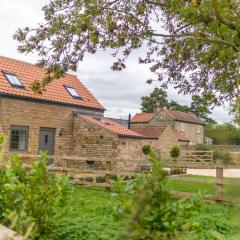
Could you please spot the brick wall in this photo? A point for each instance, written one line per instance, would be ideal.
(36, 115)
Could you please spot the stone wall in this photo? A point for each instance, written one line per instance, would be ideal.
(131, 149)
(193, 132)
(167, 139)
(90, 140)
(93, 141)
(36, 115)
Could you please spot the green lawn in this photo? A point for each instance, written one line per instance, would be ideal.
(89, 216)
(207, 188)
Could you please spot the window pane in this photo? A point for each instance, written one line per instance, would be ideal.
(13, 79)
(18, 138)
(73, 92)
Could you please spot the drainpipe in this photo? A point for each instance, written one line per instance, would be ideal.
(129, 121)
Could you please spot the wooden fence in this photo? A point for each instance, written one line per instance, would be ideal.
(82, 169)
(191, 156)
(141, 167)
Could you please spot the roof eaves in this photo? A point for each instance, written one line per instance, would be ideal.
(49, 101)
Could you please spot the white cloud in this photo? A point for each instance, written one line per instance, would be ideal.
(119, 92)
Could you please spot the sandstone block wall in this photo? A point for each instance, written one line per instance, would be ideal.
(36, 115)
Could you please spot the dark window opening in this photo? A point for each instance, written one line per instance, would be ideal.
(18, 138)
(13, 79)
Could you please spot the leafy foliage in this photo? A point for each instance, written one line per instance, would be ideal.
(177, 171)
(175, 151)
(88, 215)
(221, 154)
(147, 208)
(146, 149)
(223, 134)
(193, 45)
(158, 96)
(202, 147)
(213, 223)
(31, 195)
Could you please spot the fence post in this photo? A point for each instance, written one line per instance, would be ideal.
(219, 180)
(108, 175)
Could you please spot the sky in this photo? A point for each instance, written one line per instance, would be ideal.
(119, 92)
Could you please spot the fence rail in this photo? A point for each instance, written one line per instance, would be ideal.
(71, 165)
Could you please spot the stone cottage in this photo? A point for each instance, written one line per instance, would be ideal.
(66, 119)
(171, 127)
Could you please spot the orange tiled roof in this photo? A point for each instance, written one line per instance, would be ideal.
(55, 91)
(111, 126)
(176, 115)
(142, 117)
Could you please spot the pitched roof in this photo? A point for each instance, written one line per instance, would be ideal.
(183, 116)
(176, 115)
(111, 126)
(156, 132)
(142, 117)
(55, 91)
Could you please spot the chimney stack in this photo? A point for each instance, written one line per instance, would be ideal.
(129, 121)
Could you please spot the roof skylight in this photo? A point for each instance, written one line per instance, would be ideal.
(13, 79)
(72, 92)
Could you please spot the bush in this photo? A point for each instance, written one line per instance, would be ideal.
(220, 154)
(32, 196)
(100, 179)
(177, 171)
(202, 147)
(114, 177)
(146, 149)
(175, 151)
(88, 179)
(147, 209)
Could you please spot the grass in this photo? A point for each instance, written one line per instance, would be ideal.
(89, 216)
(207, 188)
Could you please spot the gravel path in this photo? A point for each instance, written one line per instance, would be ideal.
(229, 173)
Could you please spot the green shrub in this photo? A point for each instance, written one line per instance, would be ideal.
(146, 149)
(220, 154)
(146, 208)
(114, 177)
(176, 171)
(32, 196)
(100, 179)
(202, 147)
(175, 151)
(81, 179)
(88, 179)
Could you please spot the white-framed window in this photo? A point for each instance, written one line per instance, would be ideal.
(13, 79)
(72, 91)
(198, 129)
(182, 127)
(18, 138)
